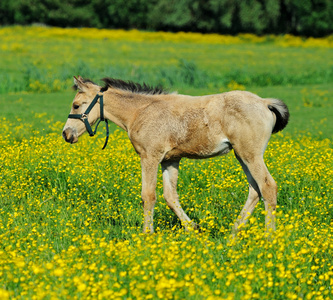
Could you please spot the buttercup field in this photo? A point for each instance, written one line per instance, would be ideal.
(71, 215)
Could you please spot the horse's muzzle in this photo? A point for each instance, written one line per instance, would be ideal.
(69, 135)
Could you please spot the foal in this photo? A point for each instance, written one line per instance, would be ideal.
(165, 127)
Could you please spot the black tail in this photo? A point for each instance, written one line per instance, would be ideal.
(280, 109)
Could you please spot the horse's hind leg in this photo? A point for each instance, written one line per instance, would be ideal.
(251, 201)
(261, 184)
(247, 210)
(170, 177)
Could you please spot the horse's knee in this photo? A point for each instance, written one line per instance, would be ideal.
(171, 202)
(272, 204)
(148, 199)
(167, 195)
(269, 192)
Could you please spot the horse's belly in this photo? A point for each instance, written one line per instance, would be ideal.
(222, 148)
(200, 151)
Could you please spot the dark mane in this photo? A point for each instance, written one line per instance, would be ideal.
(132, 87)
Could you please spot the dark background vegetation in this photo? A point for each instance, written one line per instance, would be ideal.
(299, 17)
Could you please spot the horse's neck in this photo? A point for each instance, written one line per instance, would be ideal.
(122, 107)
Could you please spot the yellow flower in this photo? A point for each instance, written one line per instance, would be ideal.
(81, 287)
(58, 272)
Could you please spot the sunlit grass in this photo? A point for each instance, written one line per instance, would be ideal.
(71, 219)
(43, 60)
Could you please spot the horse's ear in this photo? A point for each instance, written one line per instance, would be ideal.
(79, 84)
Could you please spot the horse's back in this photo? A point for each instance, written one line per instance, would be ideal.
(236, 119)
(204, 126)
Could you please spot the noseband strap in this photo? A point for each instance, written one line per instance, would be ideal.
(84, 117)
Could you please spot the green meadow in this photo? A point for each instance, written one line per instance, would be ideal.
(40, 61)
(71, 215)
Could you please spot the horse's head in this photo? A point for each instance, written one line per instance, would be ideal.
(76, 125)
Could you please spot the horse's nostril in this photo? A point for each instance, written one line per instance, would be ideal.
(68, 137)
(71, 139)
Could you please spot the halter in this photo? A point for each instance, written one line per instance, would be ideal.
(84, 117)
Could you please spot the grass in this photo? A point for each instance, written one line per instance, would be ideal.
(44, 60)
(71, 219)
(71, 215)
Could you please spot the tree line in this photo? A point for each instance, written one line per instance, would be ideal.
(299, 17)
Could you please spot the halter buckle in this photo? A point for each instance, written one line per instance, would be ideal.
(84, 116)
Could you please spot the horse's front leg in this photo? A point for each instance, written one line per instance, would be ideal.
(149, 168)
(170, 177)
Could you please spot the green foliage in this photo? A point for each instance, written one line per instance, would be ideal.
(129, 14)
(304, 17)
(309, 17)
(184, 74)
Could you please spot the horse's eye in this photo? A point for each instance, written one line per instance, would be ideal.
(75, 106)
